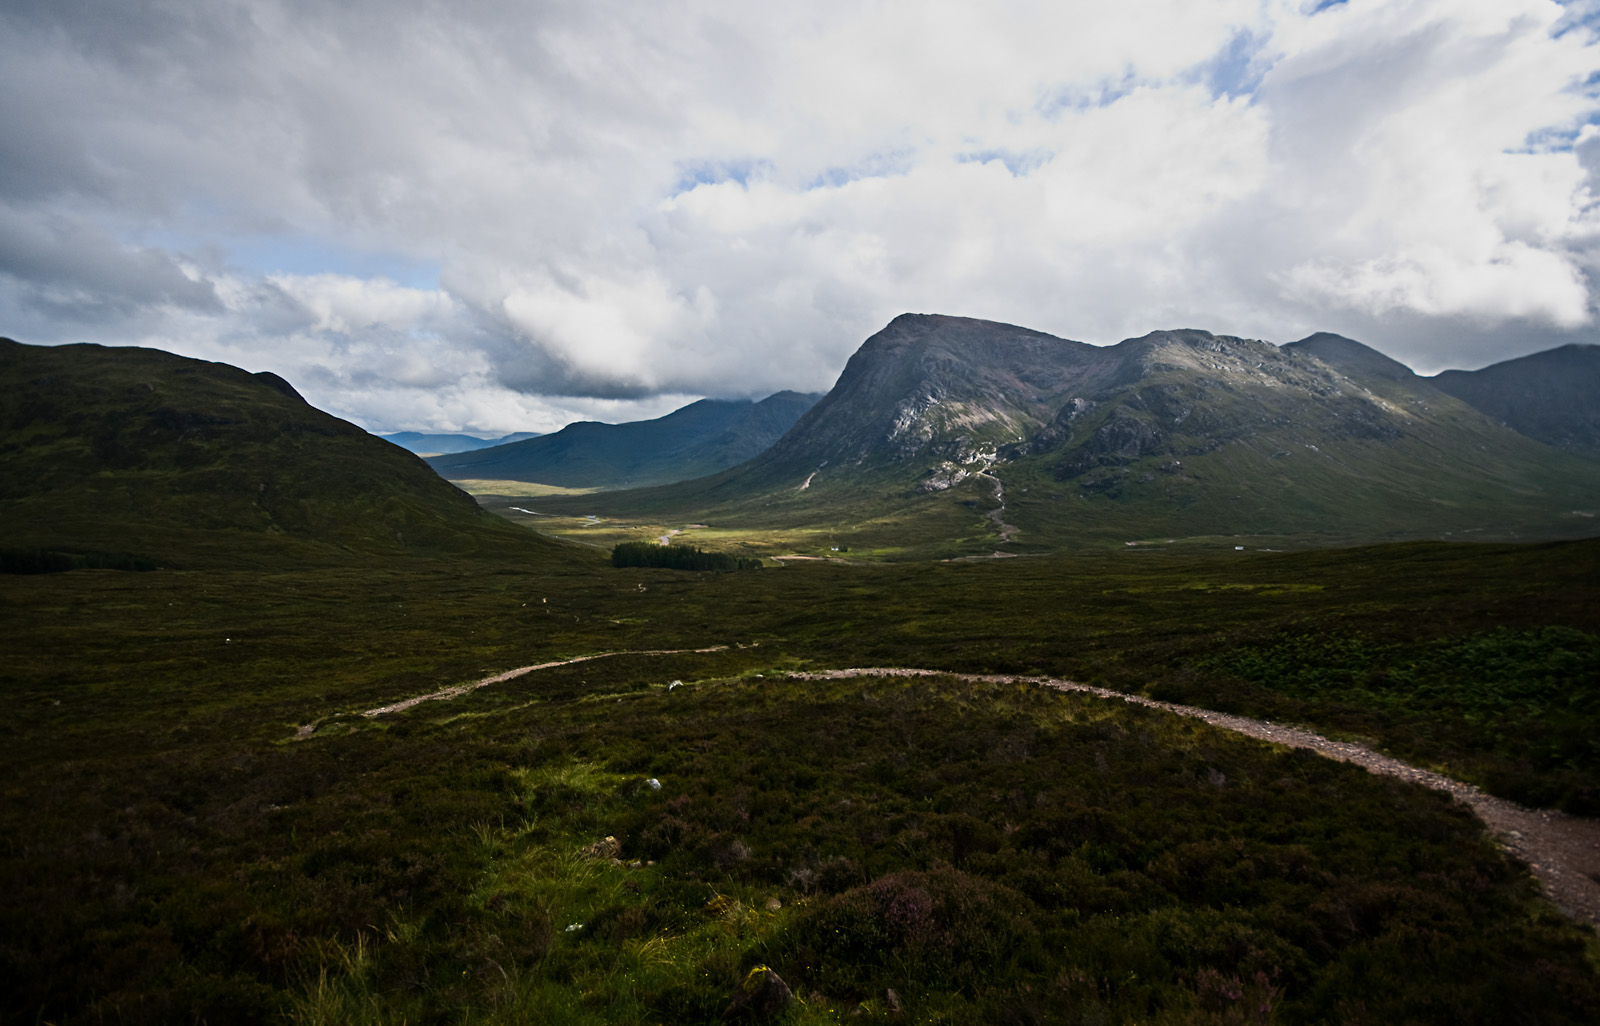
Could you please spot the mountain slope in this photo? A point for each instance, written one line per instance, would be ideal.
(1553, 396)
(701, 438)
(195, 463)
(987, 434)
(1214, 435)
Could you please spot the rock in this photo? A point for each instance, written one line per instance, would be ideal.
(609, 848)
(891, 1001)
(653, 784)
(761, 995)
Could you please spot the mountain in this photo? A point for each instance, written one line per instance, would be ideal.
(701, 438)
(1352, 358)
(1553, 396)
(985, 433)
(435, 445)
(941, 388)
(187, 463)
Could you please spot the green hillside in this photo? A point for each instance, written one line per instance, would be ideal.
(186, 462)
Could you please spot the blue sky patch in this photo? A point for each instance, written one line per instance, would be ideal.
(713, 172)
(295, 255)
(1235, 70)
(1020, 164)
(299, 255)
(1578, 15)
(1079, 98)
(884, 164)
(1557, 138)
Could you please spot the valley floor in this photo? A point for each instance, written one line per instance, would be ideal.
(205, 823)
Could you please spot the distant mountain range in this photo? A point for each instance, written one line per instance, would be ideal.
(191, 463)
(699, 439)
(1052, 442)
(942, 434)
(435, 445)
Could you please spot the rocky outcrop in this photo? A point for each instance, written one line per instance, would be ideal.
(761, 996)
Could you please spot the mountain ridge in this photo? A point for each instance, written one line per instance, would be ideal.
(1174, 433)
(701, 438)
(1553, 396)
(434, 444)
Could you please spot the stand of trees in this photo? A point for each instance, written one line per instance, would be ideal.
(678, 557)
(44, 561)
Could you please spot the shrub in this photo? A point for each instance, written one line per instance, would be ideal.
(940, 924)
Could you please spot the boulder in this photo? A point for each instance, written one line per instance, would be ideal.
(761, 995)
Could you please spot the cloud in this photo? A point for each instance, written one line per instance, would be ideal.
(67, 269)
(629, 204)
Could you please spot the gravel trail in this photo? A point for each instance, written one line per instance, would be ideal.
(461, 689)
(1562, 851)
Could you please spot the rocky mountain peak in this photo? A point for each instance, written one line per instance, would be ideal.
(1351, 357)
(931, 386)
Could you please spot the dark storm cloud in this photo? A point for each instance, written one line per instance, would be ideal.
(77, 273)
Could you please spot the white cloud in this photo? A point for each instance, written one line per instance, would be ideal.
(639, 203)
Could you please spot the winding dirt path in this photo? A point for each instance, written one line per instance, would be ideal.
(1562, 851)
(461, 689)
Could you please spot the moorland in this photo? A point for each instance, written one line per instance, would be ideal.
(208, 820)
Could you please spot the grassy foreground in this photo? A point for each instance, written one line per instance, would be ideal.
(992, 853)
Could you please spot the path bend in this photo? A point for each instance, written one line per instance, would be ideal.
(461, 689)
(1561, 850)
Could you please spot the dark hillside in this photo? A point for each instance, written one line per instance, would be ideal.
(127, 450)
(1553, 396)
(701, 438)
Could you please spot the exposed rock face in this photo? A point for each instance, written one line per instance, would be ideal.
(929, 388)
(935, 400)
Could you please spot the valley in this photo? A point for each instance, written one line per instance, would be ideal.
(303, 734)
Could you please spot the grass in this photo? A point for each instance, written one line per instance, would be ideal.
(531, 489)
(174, 852)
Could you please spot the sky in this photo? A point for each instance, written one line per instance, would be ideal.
(493, 216)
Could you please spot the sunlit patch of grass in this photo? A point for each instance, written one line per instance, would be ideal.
(511, 491)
